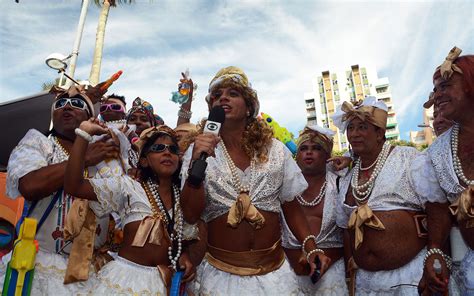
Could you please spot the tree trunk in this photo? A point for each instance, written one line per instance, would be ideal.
(99, 44)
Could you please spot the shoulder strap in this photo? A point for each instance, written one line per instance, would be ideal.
(45, 214)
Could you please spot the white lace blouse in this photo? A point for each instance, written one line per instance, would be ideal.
(330, 235)
(392, 190)
(34, 152)
(271, 183)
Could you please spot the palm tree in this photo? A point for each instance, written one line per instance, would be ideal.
(100, 35)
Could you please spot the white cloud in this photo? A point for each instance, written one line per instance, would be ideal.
(281, 46)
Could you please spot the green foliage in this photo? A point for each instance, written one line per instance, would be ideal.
(402, 143)
(46, 86)
(339, 153)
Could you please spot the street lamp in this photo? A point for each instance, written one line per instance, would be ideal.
(57, 61)
(424, 125)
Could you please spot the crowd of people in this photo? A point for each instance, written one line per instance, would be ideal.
(381, 220)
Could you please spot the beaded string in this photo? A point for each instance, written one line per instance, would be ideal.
(362, 192)
(317, 200)
(159, 211)
(233, 170)
(456, 161)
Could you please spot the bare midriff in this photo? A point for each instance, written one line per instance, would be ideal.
(148, 255)
(391, 248)
(244, 237)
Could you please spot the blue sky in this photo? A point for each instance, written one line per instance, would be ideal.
(281, 45)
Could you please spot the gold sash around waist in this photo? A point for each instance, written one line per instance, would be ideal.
(254, 262)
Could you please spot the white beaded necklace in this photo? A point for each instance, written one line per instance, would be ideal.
(362, 192)
(158, 209)
(456, 161)
(317, 200)
(233, 170)
(369, 167)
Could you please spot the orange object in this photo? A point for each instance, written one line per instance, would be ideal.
(111, 80)
(10, 209)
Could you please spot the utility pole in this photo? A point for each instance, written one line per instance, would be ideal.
(77, 42)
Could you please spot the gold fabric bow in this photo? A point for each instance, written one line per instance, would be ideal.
(80, 227)
(151, 229)
(371, 114)
(448, 67)
(363, 215)
(463, 207)
(244, 209)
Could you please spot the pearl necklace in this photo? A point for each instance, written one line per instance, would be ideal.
(369, 167)
(456, 161)
(63, 155)
(317, 200)
(233, 170)
(362, 192)
(159, 211)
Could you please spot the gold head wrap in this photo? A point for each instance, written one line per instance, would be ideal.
(448, 67)
(150, 132)
(371, 114)
(313, 135)
(237, 76)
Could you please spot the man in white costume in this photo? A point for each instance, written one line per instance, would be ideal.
(319, 201)
(250, 178)
(378, 207)
(446, 179)
(36, 171)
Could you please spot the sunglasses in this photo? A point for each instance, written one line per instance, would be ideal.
(73, 102)
(161, 147)
(112, 107)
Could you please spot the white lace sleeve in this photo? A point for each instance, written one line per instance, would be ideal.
(122, 195)
(423, 179)
(32, 153)
(186, 163)
(294, 182)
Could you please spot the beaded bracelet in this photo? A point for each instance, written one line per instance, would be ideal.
(83, 134)
(433, 251)
(186, 114)
(312, 252)
(305, 241)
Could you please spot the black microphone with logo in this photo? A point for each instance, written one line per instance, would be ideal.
(213, 125)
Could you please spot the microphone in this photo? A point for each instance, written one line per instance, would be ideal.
(213, 125)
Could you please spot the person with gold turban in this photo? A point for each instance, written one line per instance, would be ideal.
(155, 235)
(445, 175)
(377, 207)
(314, 148)
(36, 170)
(250, 178)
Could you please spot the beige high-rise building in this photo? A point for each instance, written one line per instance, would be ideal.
(333, 88)
(425, 136)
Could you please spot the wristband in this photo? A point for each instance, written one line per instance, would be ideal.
(83, 134)
(312, 252)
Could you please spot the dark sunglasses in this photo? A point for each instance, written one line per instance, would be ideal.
(112, 107)
(161, 147)
(73, 102)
